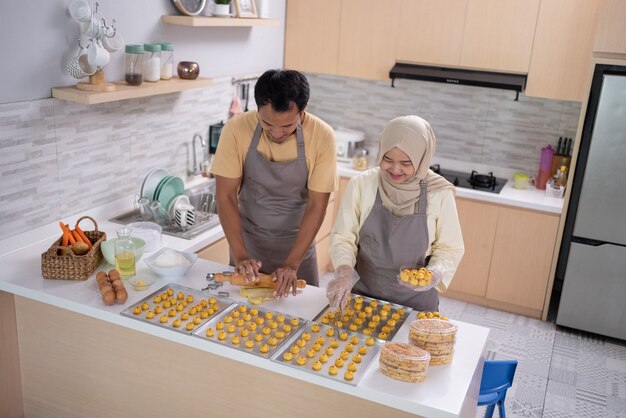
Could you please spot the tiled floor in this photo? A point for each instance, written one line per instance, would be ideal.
(562, 373)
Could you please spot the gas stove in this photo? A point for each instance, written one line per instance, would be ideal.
(473, 180)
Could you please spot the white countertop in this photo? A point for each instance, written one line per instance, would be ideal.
(443, 395)
(530, 198)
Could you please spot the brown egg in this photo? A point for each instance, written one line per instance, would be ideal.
(108, 297)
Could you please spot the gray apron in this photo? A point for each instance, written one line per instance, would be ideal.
(386, 243)
(272, 201)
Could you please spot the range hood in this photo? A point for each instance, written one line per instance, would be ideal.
(515, 82)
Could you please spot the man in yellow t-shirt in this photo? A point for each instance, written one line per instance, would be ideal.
(275, 169)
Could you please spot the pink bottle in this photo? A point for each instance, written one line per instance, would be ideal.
(544, 167)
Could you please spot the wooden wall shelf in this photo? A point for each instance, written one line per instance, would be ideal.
(207, 21)
(123, 91)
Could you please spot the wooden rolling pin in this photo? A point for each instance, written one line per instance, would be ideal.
(265, 280)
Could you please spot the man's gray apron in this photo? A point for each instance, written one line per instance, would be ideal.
(386, 243)
(272, 201)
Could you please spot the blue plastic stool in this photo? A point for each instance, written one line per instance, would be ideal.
(497, 378)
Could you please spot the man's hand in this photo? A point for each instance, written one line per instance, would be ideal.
(249, 268)
(285, 278)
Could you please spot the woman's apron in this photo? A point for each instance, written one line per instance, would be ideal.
(386, 243)
(272, 201)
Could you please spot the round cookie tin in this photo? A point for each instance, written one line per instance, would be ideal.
(437, 336)
(404, 362)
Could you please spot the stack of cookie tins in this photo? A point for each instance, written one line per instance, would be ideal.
(404, 362)
(436, 336)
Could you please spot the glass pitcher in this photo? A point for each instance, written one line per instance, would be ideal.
(125, 253)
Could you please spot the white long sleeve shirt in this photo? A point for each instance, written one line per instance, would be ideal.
(446, 241)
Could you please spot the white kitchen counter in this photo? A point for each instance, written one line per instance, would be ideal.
(449, 391)
(531, 198)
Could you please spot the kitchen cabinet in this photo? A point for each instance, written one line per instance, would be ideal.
(431, 32)
(10, 378)
(217, 252)
(508, 256)
(522, 256)
(368, 31)
(495, 35)
(478, 224)
(206, 21)
(560, 62)
(498, 34)
(354, 38)
(123, 91)
(312, 35)
(609, 37)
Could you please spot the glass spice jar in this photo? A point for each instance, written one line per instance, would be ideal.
(167, 60)
(152, 62)
(359, 161)
(133, 67)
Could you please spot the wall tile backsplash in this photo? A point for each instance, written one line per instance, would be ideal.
(59, 158)
(472, 124)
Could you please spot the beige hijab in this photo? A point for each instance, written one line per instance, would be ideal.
(414, 136)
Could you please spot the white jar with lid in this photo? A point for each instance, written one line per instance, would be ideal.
(167, 60)
(152, 62)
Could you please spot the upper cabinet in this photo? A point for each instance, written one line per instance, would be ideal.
(312, 35)
(561, 56)
(498, 34)
(610, 37)
(367, 38)
(495, 35)
(550, 40)
(354, 38)
(431, 32)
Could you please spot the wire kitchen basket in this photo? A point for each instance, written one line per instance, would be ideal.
(72, 266)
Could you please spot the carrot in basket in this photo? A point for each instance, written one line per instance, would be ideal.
(66, 238)
(71, 238)
(83, 236)
(76, 236)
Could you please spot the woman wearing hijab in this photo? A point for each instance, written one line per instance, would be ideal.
(397, 214)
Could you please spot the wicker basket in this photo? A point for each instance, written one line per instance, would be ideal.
(73, 267)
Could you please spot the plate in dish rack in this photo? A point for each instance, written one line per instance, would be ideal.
(151, 181)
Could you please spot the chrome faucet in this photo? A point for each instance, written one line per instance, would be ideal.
(195, 167)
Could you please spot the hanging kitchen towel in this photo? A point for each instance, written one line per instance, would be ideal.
(235, 105)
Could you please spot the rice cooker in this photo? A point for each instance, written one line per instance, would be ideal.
(348, 141)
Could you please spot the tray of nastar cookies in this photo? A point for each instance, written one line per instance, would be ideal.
(372, 317)
(251, 329)
(335, 353)
(178, 308)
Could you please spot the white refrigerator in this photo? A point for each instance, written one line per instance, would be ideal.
(593, 251)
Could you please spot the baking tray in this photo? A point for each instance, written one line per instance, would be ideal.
(342, 342)
(206, 307)
(370, 310)
(264, 334)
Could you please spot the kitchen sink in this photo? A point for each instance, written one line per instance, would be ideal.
(202, 197)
